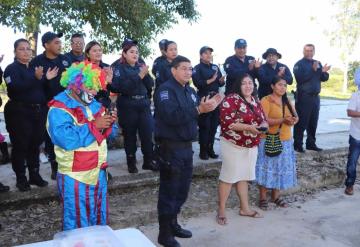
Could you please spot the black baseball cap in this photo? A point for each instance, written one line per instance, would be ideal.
(128, 42)
(49, 36)
(162, 44)
(205, 48)
(239, 43)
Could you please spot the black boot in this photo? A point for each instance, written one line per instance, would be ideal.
(36, 179)
(5, 153)
(203, 152)
(166, 236)
(54, 168)
(131, 163)
(150, 164)
(22, 183)
(211, 151)
(178, 231)
(4, 188)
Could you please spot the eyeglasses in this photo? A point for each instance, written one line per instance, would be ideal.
(77, 43)
(186, 69)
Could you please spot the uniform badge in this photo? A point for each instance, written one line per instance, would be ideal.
(116, 72)
(227, 65)
(65, 63)
(193, 97)
(8, 79)
(164, 95)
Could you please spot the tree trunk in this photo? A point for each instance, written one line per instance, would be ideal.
(33, 39)
(345, 82)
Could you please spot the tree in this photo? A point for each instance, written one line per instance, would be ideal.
(110, 20)
(345, 34)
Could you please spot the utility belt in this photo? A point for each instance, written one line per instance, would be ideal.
(25, 104)
(173, 144)
(135, 97)
(163, 151)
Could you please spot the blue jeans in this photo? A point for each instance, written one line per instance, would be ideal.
(354, 153)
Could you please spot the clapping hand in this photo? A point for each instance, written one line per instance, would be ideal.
(281, 71)
(144, 69)
(212, 79)
(109, 74)
(326, 68)
(52, 73)
(208, 104)
(315, 65)
(222, 79)
(39, 72)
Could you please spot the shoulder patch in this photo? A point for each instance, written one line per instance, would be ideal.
(193, 97)
(117, 72)
(164, 95)
(65, 63)
(214, 67)
(8, 79)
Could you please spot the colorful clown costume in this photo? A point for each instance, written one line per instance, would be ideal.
(81, 153)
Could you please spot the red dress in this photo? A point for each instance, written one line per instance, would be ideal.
(234, 109)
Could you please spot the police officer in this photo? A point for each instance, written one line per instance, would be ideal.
(132, 80)
(77, 48)
(51, 60)
(239, 64)
(177, 109)
(207, 78)
(159, 60)
(164, 68)
(309, 74)
(269, 70)
(25, 114)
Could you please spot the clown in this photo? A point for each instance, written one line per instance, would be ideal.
(78, 126)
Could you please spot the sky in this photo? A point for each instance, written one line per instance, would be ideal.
(281, 24)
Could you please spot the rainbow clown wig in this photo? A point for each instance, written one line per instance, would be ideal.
(84, 75)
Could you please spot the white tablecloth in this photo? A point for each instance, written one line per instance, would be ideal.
(130, 237)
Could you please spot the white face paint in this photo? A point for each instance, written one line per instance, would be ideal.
(86, 97)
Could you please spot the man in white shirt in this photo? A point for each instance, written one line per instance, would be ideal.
(353, 111)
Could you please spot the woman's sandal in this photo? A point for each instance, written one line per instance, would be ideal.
(280, 203)
(221, 220)
(255, 214)
(263, 205)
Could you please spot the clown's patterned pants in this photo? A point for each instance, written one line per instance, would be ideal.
(83, 204)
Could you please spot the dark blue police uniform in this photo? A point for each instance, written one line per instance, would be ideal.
(52, 88)
(307, 102)
(158, 63)
(207, 122)
(236, 68)
(265, 75)
(25, 118)
(163, 72)
(175, 129)
(74, 58)
(134, 113)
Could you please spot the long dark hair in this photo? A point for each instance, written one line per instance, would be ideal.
(236, 89)
(284, 98)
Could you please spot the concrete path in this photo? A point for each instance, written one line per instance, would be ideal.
(329, 219)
